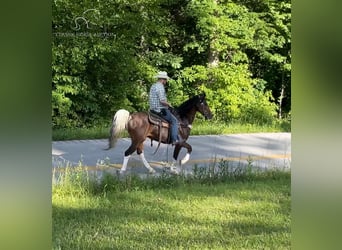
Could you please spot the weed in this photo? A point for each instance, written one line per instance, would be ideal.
(78, 180)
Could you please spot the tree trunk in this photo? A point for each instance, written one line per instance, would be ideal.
(213, 57)
(281, 97)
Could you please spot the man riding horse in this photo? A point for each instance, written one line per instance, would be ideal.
(140, 125)
(159, 105)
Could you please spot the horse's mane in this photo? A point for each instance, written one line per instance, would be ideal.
(186, 106)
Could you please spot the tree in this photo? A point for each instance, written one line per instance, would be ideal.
(105, 53)
(224, 34)
(107, 63)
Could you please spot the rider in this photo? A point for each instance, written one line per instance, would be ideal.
(159, 104)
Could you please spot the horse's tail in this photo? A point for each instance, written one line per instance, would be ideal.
(118, 126)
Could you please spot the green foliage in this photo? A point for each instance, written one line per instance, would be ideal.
(108, 65)
(105, 53)
(231, 93)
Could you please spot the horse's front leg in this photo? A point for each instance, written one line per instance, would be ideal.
(187, 156)
(176, 151)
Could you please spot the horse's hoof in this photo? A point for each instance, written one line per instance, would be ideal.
(174, 170)
(152, 171)
(122, 171)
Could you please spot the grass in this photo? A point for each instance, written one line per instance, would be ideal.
(200, 127)
(216, 128)
(96, 132)
(219, 209)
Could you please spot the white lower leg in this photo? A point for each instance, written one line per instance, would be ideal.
(174, 162)
(124, 164)
(185, 159)
(146, 164)
(174, 167)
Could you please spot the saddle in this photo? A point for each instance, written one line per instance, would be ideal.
(156, 119)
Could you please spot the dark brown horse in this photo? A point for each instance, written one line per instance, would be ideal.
(140, 126)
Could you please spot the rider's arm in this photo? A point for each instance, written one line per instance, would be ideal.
(165, 103)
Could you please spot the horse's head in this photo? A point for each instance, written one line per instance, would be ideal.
(202, 107)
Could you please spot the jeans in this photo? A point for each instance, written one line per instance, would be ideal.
(167, 115)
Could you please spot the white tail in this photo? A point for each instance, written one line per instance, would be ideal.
(120, 120)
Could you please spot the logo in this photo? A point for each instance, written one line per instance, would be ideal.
(88, 24)
(87, 20)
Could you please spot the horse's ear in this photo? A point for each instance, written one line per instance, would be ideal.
(202, 96)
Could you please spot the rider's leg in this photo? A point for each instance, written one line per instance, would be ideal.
(174, 124)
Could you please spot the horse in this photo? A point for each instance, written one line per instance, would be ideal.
(141, 126)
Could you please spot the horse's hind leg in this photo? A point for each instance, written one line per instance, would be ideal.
(140, 151)
(128, 154)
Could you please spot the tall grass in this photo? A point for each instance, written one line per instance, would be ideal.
(89, 182)
(215, 208)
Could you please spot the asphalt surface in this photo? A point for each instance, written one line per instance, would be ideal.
(265, 150)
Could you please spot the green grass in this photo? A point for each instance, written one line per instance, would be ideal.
(216, 128)
(199, 128)
(96, 132)
(210, 210)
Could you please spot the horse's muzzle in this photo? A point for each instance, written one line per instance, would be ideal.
(208, 117)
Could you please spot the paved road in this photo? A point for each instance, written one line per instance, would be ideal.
(259, 149)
